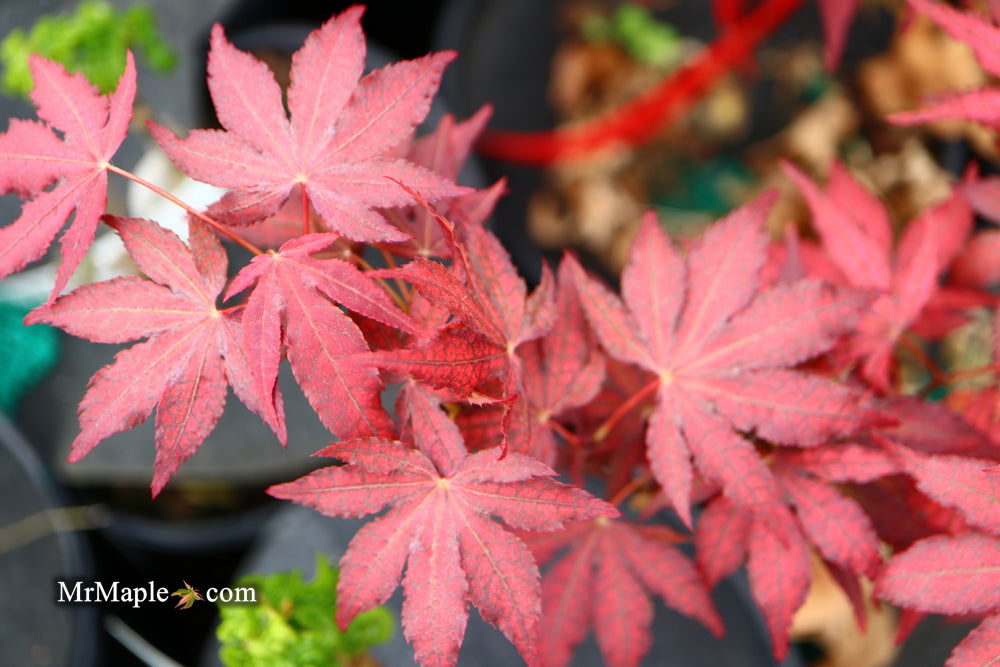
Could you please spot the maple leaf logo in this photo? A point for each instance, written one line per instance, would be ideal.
(188, 596)
(33, 157)
(442, 499)
(332, 147)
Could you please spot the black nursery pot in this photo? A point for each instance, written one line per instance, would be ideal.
(34, 630)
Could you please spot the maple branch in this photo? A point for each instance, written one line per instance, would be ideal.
(962, 374)
(305, 212)
(363, 263)
(211, 222)
(604, 429)
(390, 260)
(907, 342)
(567, 435)
(630, 488)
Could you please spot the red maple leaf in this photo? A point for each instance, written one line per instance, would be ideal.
(331, 150)
(780, 570)
(982, 37)
(444, 151)
(442, 499)
(291, 305)
(832, 523)
(857, 236)
(720, 352)
(604, 582)
(33, 157)
(194, 349)
(945, 575)
(959, 482)
(561, 371)
(483, 290)
(955, 576)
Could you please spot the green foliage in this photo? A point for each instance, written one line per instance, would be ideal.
(292, 623)
(639, 33)
(93, 41)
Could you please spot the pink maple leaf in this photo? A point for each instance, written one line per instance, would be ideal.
(331, 149)
(720, 352)
(857, 237)
(605, 581)
(442, 501)
(33, 157)
(194, 350)
(293, 303)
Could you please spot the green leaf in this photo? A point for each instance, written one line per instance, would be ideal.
(292, 623)
(93, 41)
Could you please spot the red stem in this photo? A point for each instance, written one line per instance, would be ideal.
(305, 212)
(219, 227)
(604, 429)
(566, 434)
(633, 486)
(644, 117)
(913, 347)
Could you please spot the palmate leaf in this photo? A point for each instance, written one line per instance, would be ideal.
(561, 371)
(779, 567)
(440, 528)
(193, 352)
(951, 575)
(33, 157)
(605, 582)
(945, 575)
(857, 237)
(291, 304)
(333, 144)
(828, 522)
(722, 353)
(492, 315)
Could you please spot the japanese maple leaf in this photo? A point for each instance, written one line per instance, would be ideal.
(33, 157)
(604, 582)
(483, 290)
(188, 596)
(331, 149)
(983, 38)
(780, 571)
(442, 500)
(444, 151)
(954, 481)
(561, 371)
(194, 349)
(951, 575)
(291, 304)
(857, 236)
(828, 522)
(721, 353)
